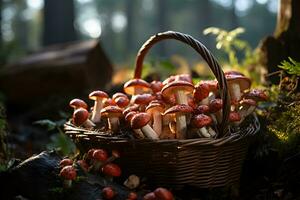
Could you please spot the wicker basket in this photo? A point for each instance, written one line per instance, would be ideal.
(201, 162)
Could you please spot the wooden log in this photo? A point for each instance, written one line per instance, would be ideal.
(68, 69)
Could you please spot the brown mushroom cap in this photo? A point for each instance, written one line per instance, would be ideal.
(156, 86)
(112, 169)
(232, 72)
(100, 155)
(143, 99)
(256, 95)
(133, 107)
(184, 77)
(150, 196)
(112, 111)
(109, 102)
(249, 102)
(119, 94)
(78, 103)
(174, 86)
(129, 116)
(215, 105)
(65, 162)
(202, 109)
(201, 120)
(68, 173)
(243, 81)
(129, 86)
(181, 108)
(234, 117)
(213, 84)
(201, 91)
(80, 116)
(155, 105)
(140, 120)
(163, 194)
(122, 101)
(98, 95)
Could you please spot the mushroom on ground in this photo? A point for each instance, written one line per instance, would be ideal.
(99, 158)
(202, 122)
(180, 112)
(108, 193)
(113, 114)
(141, 121)
(98, 96)
(81, 118)
(156, 109)
(132, 182)
(68, 173)
(65, 162)
(237, 84)
(111, 170)
(163, 194)
(136, 86)
(78, 103)
(180, 89)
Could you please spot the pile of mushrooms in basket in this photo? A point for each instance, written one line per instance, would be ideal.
(172, 109)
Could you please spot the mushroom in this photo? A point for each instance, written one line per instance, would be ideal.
(99, 158)
(108, 192)
(142, 100)
(98, 96)
(141, 121)
(78, 103)
(111, 170)
(215, 108)
(132, 196)
(156, 86)
(68, 173)
(65, 162)
(81, 118)
(184, 77)
(202, 109)
(83, 165)
(114, 155)
(89, 156)
(247, 107)
(109, 102)
(136, 86)
(167, 133)
(121, 99)
(180, 112)
(137, 132)
(237, 84)
(113, 113)
(234, 118)
(132, 182)
(180, 89)
(202, 122)
(232, 72)
(133, 107)
(156, 109)
(163, 194)
(150, 196)
(257, 95)
(201, 93)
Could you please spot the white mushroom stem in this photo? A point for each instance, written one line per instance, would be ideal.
(113, 123)
(157, 122)
(138, 133)
(212, 132)
(205, 101)
(67, 183)
(149, 132)
(181, 97)
(180, 126)
(245, 111)
(88, 124)
(235, 91)
(96, 115)
(203, 132)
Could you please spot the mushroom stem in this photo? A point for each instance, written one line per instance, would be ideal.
(180, 126)
(113, 123)
(149, 132)
(245, 111)
(96, 116)
(157, 122)
(138, 133)
(204, 101)
(203, 132)
(88, 124)
(212, 132)
(181, 97)
(236, 91)
(67, 183)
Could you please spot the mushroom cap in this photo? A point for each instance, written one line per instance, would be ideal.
(68, 173)
(140, 120)
(78, 103)
(243, 81)
(163, 194)
(112, 169)
(83, 165)
(150, 196)
(112, 111)
(201, 120)
(132, 196)
(201, 91)
(215, 105)
(213, 84)
(109, 102)
(122, 101)
(249, 102)
(174, 86)
(234, 117)
(90, 153)
(100, 155)
(95, 95)
(155, 105)
(80, 116)
(202, 109)
(256, 95)
(133, 107)
(108, 192)
(143, 99)
(129, 116)
(170, 99)
(65, 162)
(232, 72)
(180, 108)
(129, 86)
(119, 94)
(156, 86)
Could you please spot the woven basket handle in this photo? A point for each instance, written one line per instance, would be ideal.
(206, 55)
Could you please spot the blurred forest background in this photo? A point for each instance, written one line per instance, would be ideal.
(122, 26)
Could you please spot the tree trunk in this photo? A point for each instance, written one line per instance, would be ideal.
(58, 22)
